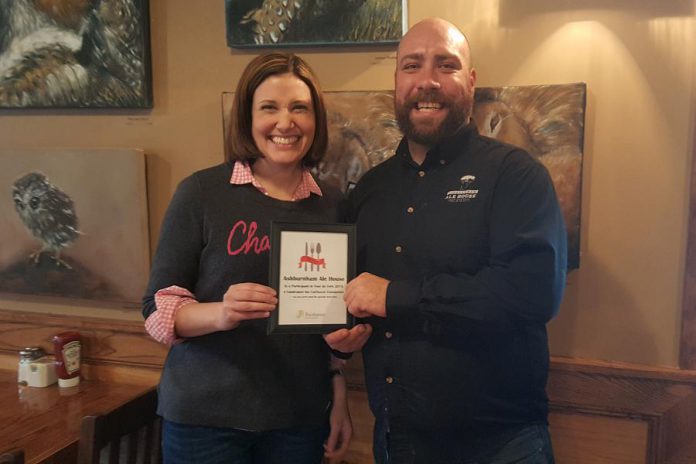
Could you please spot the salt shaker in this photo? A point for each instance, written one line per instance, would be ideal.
(35, 369)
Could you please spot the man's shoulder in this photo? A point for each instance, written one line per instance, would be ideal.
(329, 192)
(493, 150)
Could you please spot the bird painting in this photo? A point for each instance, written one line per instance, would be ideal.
(278, 22)
(74, 53)
(48, 213)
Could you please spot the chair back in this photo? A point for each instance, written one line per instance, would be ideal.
(128, 434)
(12, 456)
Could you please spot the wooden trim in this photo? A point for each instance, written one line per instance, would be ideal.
(622, 369)
(613, 407)
(687, 342)
(105, 342)
(653, 405)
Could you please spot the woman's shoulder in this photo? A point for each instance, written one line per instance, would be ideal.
(222, 170)
(212, 175)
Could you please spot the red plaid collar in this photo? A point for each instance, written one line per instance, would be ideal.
(242, 174)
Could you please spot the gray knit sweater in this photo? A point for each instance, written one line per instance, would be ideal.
(216, 234)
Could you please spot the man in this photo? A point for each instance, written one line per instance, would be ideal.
(463, 246)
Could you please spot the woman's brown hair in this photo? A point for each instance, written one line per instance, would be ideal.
(240, 140)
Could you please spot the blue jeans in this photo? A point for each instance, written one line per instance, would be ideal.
(526, 445)
(190, 444)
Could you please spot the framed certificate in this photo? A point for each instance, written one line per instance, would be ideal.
(310, 267)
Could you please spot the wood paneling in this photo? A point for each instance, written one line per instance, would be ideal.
(119, 351)
(601, 412)
(585, 439)
(687, 344)
(104, 341)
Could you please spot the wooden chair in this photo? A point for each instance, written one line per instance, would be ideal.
(12, 456)
(133, 429)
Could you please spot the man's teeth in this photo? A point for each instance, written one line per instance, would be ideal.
(428, 106)
(284, 140)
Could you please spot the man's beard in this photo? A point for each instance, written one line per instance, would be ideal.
(456, 118)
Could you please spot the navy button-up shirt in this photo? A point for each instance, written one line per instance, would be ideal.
(474, 245)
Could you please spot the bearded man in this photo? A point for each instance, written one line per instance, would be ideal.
(463, 251)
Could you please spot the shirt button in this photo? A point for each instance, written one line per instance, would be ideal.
(390, 379)
(410, 210)
(421, 173)
(397, 248)
(388, 334)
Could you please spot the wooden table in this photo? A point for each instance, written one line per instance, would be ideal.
(45, 422)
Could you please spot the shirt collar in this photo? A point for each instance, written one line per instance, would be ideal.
(446, 150)
(242, 174)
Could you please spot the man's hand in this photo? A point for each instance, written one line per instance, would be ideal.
(366, 295)
(348, 341)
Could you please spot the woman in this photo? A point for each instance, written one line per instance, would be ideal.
(229, 392)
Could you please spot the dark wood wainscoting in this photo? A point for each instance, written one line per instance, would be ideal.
(601, 412)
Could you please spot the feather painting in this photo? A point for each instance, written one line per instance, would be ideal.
(264, 23)
(546, 120)
(74, 54)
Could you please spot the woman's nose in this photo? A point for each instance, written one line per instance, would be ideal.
(285, 120)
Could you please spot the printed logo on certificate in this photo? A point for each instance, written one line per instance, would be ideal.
(310, 266)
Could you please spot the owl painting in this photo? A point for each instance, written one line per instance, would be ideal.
(48, 213)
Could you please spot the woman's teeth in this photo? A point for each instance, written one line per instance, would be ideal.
(284, 140)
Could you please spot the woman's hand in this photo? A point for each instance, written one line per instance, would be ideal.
(246, 301)
(241, 302)
(336, 445)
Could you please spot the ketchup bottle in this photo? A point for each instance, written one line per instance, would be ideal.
(68, 352)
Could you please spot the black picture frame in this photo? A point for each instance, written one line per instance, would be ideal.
(304, 293)
(96, 57)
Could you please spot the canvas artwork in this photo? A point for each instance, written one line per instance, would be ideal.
(75, 54)
(264, 23)
(74, 225)
(545, 120)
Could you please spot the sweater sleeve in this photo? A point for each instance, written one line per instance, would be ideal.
(180, 245)
(524, 277)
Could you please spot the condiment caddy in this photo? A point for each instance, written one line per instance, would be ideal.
(37, 369)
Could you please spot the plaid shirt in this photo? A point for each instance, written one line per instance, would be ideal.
(160, 324)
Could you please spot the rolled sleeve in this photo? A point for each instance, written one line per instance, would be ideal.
(160, 324)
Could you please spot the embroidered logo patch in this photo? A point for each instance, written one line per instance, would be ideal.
(465, 192)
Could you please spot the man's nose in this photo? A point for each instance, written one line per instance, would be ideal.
(428, 79)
